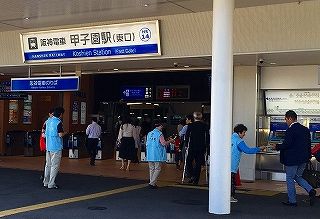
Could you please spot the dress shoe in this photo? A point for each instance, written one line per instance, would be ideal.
(312, 196)
(290, 204)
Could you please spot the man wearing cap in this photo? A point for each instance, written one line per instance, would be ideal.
(156, 152)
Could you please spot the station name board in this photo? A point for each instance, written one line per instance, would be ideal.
(97, 42)
(45, 84)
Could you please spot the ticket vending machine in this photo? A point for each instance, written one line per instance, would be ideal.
(268, 163)
(314, 126)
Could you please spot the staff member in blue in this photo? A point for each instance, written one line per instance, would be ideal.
(238, 146)
(156, 152)
(54, 133)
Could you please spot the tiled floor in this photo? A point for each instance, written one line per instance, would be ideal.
(111, 168)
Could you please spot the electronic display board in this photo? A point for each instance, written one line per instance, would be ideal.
(136, 93)
(173, 93)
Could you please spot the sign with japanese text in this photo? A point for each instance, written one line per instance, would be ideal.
(98, 42)
(45, 84)
(303, 102)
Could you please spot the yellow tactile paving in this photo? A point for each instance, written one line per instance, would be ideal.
(69, 200)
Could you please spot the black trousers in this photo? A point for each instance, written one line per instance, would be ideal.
(233, 184)
(194, 170)
(92, 148)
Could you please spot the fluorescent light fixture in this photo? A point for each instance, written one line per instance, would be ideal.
(148, 103)
(165, 117)
(134, 104)
(158, 115)
(273, 63)
(145, 5)
(115, 69)
(139, 117)
(156, 104)
(187, 66)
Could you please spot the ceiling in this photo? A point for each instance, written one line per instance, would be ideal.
(26, 14)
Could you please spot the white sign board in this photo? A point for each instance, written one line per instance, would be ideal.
(98, 42)
(303, 102)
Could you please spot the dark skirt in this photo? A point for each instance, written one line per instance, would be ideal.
(127, 148)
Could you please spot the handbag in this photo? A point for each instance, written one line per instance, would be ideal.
(312, 176)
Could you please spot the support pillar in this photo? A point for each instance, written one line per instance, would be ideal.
(221, 107)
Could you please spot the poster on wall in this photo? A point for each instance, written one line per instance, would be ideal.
(75, 112)
(303, 102)
(13, 111)
(27, 110)
(83, 112)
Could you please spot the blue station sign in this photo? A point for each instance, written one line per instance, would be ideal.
(136, 93)
(45, 84)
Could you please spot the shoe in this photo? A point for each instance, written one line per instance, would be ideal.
(233, 199)
(287, 203)
(45, 186)
(153, 186)
(54, 187)
(312, 196)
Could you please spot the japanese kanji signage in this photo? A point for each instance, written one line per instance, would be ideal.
(45, 84)
(99, 42)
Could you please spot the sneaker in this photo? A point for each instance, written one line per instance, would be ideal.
(312, 196)
(153, 186)
(54, 187)
(234, 200)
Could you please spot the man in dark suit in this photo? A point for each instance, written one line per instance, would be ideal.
(295, 152)
(198, 137)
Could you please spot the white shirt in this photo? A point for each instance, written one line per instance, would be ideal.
(126, 130)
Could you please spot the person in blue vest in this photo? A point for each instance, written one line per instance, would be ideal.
(53, 133)
(156, 152)
(238, 146)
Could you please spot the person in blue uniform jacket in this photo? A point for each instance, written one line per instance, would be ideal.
(295, 152)
(238, 146)
(156, 152)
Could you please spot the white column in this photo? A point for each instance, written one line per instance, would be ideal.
(221, 107)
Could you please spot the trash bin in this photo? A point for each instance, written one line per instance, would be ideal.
(15, 141)
(143, 150)
(31, 145)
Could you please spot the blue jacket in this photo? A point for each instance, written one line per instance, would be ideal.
(237, 147)
(296, 146)
(156, 152)
(53, 141)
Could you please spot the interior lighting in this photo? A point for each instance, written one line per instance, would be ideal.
(139, 117)
(115, 69)
(156, 104)
(145, 5)
(165, 117)
(128, 104)
(273, 63)
(187, 66)
(26, 18)
(148, 103)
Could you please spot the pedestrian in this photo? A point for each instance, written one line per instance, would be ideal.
(126, 137)
(295, 152)
(93, 132)
(197, 140)
(42, 141)
(238, 146)
(53, 133)
(156, 152)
